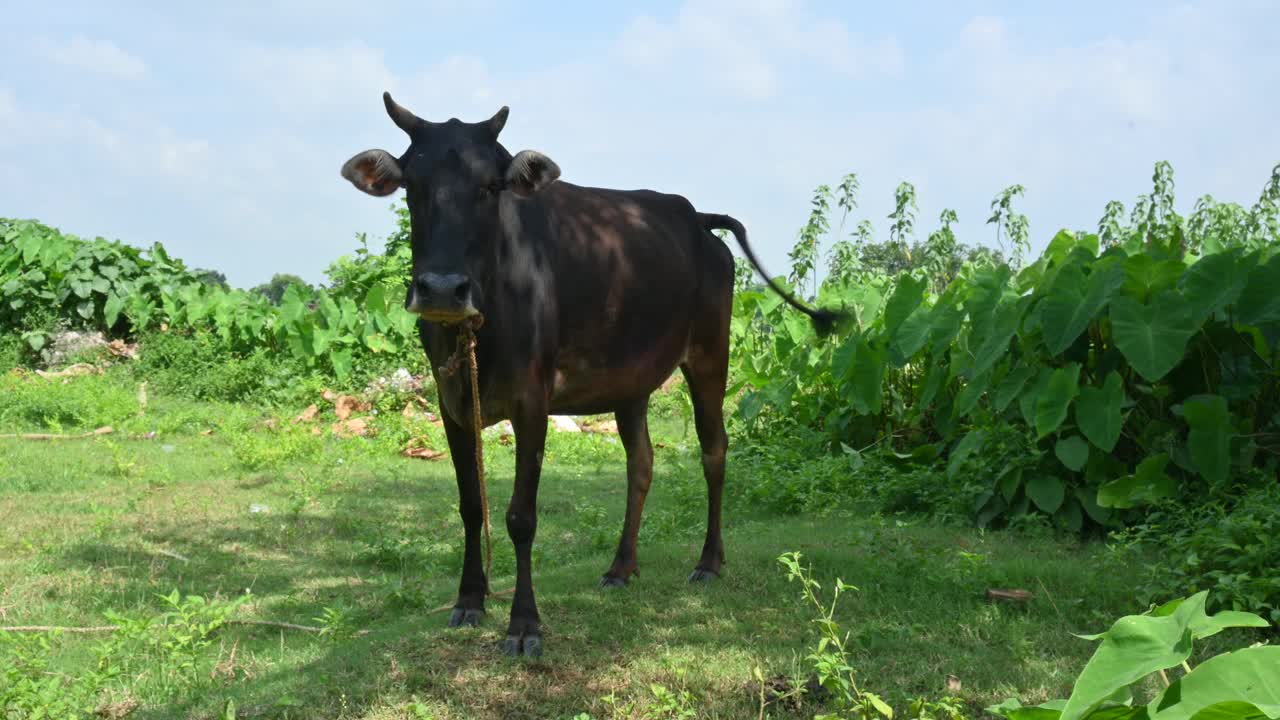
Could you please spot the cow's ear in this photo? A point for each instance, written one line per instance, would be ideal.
(375, 172)
(530, 171)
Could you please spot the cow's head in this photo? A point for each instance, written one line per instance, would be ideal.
(455, 176)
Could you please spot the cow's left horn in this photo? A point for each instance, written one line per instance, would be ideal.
(404, 119)
(498, 121)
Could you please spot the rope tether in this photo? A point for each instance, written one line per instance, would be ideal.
(467, 345)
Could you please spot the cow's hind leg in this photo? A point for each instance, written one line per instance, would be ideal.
(469, 608)
(707, 372)
(633, 429)
(524, 634)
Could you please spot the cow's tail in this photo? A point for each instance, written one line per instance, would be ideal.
(824, 320)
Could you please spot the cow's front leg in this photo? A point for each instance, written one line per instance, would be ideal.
(524, 634)
(469, 608)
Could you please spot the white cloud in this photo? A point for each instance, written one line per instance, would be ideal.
(8, 108)
(742, 47)
(984, 33)
(311, 78)
(143, 149)
(450, 87)
(646, 43)
(96, 56)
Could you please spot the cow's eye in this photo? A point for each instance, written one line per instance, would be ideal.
(493, 188)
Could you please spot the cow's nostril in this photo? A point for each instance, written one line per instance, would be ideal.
(462, 291)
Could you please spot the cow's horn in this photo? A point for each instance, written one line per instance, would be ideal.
(403, 119)
(498, 121)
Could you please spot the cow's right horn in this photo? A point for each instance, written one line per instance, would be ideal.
(403, 118)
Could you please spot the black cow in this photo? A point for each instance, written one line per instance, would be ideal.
(590, 298)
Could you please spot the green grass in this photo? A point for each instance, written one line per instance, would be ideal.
(311, 525)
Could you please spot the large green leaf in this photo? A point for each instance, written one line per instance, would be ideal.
(906, 297)
(1088, 498)
(970, 444)
(1069, 516)
(1059, 247)
(865, 301)
(947, 320)
(1098, 412)
(1214, 282)
(1073, 301)
(1055, 400)
(993, 338)
(1046, 491)
(1147, 483)
(1029, 398)
(1146, 277)
(861, 366)
(1073, 451)
(1011, 385)
(914, 332)
(111, 309)
(841, 359)
(1136, 646)
(341, 360)
(1250, 675)
(799, 328)
(1230, 710)
(1210, 436)
(1259, 303)
(972, 392)
(1152, 337)
(1206, 626)
(932, 383)
(1052, 710)
(1009, 480)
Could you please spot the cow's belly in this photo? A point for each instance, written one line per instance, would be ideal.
(585, 383)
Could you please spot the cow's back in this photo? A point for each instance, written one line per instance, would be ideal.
(628, 265)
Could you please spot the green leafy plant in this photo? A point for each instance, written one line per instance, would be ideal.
(1138, 372)
(830, 658)
(1243, 683)
(125, 291)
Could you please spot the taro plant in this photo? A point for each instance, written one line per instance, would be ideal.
(1155, 648)
(1109, 375)
(123, 291)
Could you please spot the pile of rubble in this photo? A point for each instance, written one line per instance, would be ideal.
(68, 344)
(352, 414)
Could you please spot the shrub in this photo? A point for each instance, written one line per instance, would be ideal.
(84, 403)
(1229, 544)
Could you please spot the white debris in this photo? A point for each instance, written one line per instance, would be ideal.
(564, 423)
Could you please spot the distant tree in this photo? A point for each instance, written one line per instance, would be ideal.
(275, 288)
(892, 258)
(211, 277)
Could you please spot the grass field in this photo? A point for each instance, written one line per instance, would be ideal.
(346, 535)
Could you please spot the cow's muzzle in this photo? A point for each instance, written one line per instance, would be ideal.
(439, 298)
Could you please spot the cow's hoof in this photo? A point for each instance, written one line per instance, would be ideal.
(702, 575)
(612, 581)
(527, 645)
(465, 616)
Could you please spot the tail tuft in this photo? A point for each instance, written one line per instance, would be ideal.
(824, 321)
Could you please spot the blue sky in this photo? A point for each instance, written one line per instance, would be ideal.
(218, 128)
